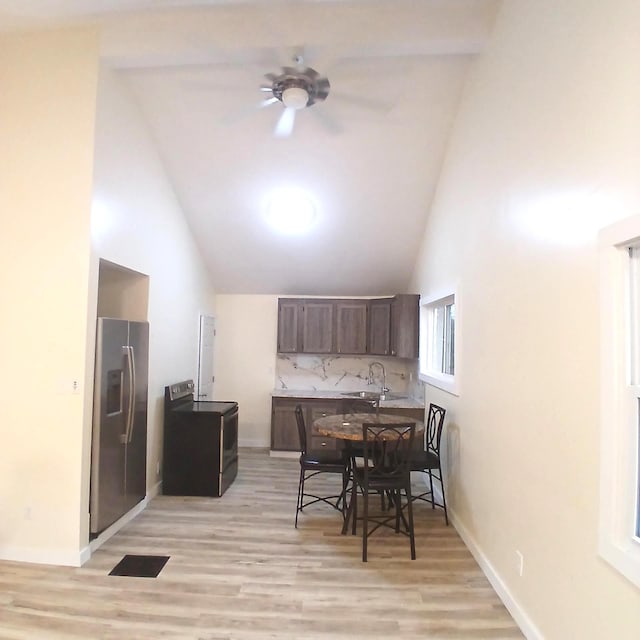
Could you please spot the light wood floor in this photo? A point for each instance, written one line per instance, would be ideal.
(240, 571)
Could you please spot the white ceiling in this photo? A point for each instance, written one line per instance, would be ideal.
(370, 154)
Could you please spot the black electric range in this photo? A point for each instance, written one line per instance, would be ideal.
(200, 449)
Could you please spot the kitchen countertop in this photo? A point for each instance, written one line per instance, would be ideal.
(306, 394)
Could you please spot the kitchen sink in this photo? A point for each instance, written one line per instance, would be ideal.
(368, 395)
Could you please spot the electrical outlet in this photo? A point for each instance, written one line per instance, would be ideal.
(69, 386)
(157, 468)
(27, 513)
(519, 563)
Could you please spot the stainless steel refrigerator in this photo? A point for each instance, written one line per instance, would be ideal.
(119, 443)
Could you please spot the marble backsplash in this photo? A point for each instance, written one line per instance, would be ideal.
(331, 372)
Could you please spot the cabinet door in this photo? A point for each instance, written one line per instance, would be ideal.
(288, 325)
(351, 326)
(380, 327)
(319, 409)
(284, 429)
(404, 326)
(317, 327)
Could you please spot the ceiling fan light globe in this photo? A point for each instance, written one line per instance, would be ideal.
(295, 98)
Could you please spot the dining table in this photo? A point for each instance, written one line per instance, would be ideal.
(348, 427)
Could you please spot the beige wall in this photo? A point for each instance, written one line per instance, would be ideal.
(545, 150)
(53, 235)
(245, 356)
(137, 222)
(47, 114)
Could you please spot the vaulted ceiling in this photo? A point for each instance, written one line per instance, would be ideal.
(369, 155)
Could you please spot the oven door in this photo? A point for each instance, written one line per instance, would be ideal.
(228, 449)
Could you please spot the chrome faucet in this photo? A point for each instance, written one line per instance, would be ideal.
(384, 378)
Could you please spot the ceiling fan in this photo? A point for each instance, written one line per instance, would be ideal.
(297, 88)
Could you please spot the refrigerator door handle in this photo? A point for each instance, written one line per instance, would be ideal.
(132, 393)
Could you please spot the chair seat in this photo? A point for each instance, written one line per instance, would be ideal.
(315, 463)
(381, 483)
(423, 460)
(323, 460)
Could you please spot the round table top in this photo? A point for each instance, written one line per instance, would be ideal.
(348, 426)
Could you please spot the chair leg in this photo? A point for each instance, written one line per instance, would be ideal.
(345, 486)
(433, 498)
(300, 494)
(349, 513)
(398, 506)
(444, 500)
(354, 512)
(365, 524)
(412, 540)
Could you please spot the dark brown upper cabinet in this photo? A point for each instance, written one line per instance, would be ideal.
(380, 327)
(348, 326)
(405, 314)
(288, 326)
(317, 326)
(351, 326)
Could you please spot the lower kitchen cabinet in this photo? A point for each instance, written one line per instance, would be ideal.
(284, 429)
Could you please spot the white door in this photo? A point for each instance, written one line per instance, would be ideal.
(205, 357)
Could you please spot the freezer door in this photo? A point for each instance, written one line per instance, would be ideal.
(110, 405)
(136, 454)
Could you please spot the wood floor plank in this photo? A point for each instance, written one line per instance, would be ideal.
(239, 570)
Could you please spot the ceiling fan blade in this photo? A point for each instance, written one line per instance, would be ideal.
(267, 102)
(284, 126)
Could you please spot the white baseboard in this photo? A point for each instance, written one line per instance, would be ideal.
(284, 454)
(110, 531)
(75, 558)
(528, 628)
(59, 557)
(254, 443)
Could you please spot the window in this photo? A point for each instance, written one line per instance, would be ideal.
(619, 536)
(438, 365)
(633, 324)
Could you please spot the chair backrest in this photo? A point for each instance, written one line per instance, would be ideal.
(433, 430)
(302, 429)
(387, 449)
(359, 406)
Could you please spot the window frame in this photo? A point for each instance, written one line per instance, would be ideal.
(426, 373)
(618, 542)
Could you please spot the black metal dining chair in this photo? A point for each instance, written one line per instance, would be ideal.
(428, 460)
(385, 470)
(314, 463)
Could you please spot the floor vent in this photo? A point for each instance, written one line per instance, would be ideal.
(139, 566)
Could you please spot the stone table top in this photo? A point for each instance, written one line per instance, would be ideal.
(348, 426)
